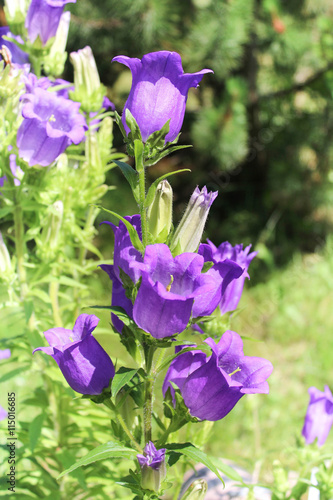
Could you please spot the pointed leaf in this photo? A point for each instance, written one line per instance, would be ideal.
(131, 177)
(164, 153)
(193, 453)
(35, 429)
(106, 450)
(121, 378)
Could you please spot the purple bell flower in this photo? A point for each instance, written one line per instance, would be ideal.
(82, 360)
(43, 18)
(18, 56)
(50, 125)
(242, 257)
(212, 386)
(159, 92)
(32, 82)
(319, 416)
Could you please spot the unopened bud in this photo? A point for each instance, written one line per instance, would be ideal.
(153, 468)
(88, 88)
(190, 229)
(51, 230)
(5, 262)
(55, 61)
(160, 212)
(92, 153)
(15, 11)
(197, 490)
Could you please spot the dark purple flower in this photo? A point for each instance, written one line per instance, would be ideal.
(50, 125)
(159, 91)
(152, 458)
(153, 469)
(18, 56)
(214, 385)
(171, 290)
(43, 18)
(82, 360)
(242, 257)
(5, 353)
(319, 416)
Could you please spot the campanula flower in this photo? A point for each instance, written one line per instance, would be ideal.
(319, 416)
(18, 56)
(43, 18)
(153, 469)
(82, 360)
(16, 171)
(51, 123)
(237, 254)
(212, 386)
(159, 92)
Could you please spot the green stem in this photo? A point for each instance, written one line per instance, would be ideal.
(138, 146)
(108, 403)
(174, 426)
(148, 408)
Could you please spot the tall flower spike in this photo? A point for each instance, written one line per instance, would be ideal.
(82, 360)
(319, 416)
(159, 92)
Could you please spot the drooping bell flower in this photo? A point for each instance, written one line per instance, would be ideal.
(153, 468)
(237, 254)
(43, 18)
(215, 384)
(51, 123)
(82, 360)
(159, 92)
(319, 416)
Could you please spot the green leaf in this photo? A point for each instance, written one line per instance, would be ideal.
(119, 312)
(137, 243)
(157, 139)
(131, 176)
(65, 280)
(153, 187)
(164, 153)
(14, 373)
(35, 429)
(133, 126)
(193, 453)
(121, 378)
(227, 470)
(106, 450)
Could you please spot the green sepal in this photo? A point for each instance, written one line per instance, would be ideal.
(131, 176)
(120, 124)
(132, 124)
(122, 377)
(136, 242)
(207, 266)
(153, 187)
(157, 139)
(152, 161)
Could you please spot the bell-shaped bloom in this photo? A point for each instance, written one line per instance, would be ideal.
(51, 123)
(242, 257)
(319, 416)
(43, 18)
(191, 226)
(153, 468)
(18, 56)
(172, 289)
(212, 386)
(159, 92)
(82, 360)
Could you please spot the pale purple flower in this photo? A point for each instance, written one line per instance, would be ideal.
(159, 92)
(32, 82)
(3, 413)
(18, 56)
(51, 123)
(153, 468)
(242, 257)
(85, 365)
(319, 416)
(43, 18)
(212, 386)
(5, 353)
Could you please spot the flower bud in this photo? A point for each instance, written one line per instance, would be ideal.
(88, 88)
(189, 231)
(54, 62)
(160, 212)
(5, 262)
(15, 11)
(50, 232)
(196, 491)
(153, 468)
